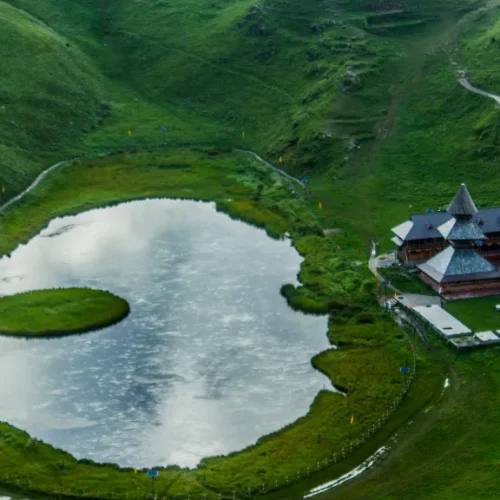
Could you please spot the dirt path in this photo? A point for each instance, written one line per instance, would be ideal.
(467, 85)
(33, 185)
(43, 174)
(282, 172)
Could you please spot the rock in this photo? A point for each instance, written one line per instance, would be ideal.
(350, 81)
(351, 144)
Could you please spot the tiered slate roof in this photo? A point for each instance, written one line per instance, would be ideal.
(461, 230)
(460, 261)
(458, 264)
(431, 225)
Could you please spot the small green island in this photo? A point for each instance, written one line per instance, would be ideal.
(59, 312)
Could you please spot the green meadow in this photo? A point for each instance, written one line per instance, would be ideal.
(51, 313)
(247, 190)
(478, 314)
(361, 98)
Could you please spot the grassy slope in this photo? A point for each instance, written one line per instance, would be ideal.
(444, 136)
(49, 95)
(406, 282)
(356, 322)
(446, 452)
(59, 312)
(478, 314)
(437, 135)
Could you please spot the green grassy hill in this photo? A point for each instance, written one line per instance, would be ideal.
(50, 94)
(313, 82)
(359, 95)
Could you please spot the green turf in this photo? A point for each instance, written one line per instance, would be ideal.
(59, 312)
(359, 96)
(247, 190)
(478, 314)
(405, 280)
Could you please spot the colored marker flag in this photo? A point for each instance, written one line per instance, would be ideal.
(412, 347)
(352, 419)
(281, 159)
(320, 204)
(129, 132)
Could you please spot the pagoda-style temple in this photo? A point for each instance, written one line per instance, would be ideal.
(455, 250)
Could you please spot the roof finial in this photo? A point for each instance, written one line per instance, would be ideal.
(462, 204)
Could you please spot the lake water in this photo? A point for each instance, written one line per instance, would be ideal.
(210, 358)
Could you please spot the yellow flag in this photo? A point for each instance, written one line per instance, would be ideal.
(352, 420)
(281, 159)
(320, 205)
(395, 295)
(129, 132)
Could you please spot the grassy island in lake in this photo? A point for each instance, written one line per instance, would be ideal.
(61, 311)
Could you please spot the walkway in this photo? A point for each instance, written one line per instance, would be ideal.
(43, 174)
(442, 321)
(466, 84)
(409, 300)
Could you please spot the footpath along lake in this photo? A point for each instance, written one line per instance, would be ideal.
(210, 358)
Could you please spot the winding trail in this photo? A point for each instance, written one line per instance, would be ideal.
(276, 169)
(43, 174)
(34, 184)
(467, 85)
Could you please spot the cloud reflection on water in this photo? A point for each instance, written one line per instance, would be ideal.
(210, 358)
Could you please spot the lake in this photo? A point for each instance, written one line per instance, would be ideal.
(210, 358)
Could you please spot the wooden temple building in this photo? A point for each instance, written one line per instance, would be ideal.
(456, 250)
